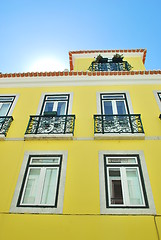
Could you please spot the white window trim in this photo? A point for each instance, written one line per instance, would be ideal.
(14, 102)
(157, 98)
(134, 211)
(51, 136)
(117, 135)
(2, 136)
(55, 93)
(41, 210)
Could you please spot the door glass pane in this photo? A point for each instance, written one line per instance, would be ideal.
(61, 108)
(4, 109)
(134, 188)
(116, 196)
(50, 186)
(121, 110)
(108, 107)
(49, 107)
(31, 186)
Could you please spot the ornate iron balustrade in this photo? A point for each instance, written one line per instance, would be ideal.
(41, 124)
(5, 123)
(118, 124)
(110, 66)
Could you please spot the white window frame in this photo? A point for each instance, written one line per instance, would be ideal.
(55, 93)
(14, 102)
(158, 100)
(21, 208)
(121, 209)
(117, 135)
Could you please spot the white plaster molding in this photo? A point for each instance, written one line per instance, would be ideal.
(26, 82)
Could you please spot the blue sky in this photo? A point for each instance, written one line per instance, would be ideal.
(37, 33)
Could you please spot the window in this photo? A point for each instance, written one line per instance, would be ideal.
(114, 104)
(41, 187)
(124, 184)
(157, 95)
(7, 103)
(115, 117)
(56, 104)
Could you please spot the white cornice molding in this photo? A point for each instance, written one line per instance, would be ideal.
(77, 80)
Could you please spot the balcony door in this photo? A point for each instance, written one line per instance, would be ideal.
(55, 105)
(114, 104)
(115, 113)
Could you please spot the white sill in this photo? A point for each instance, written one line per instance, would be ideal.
(125, 136)
(48, 136)
(2, 137)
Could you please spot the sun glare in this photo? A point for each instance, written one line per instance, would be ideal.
(47, 65)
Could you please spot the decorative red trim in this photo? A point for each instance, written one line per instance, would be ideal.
(75, 73)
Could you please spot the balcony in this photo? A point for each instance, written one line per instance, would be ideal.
(110, 66)
(5, 123)
(118, 126)
(42, 126)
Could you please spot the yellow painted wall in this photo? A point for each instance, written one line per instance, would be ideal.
(41, 227)
(81, 217)
(82, 64)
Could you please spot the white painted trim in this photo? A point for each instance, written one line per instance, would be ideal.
(48, 136)
(157, 98)
(59, 209)
(140, 211)
(57, 93)
(119, 136)
(110, 80)
(2, 137)
(14, 102)
(113, 92)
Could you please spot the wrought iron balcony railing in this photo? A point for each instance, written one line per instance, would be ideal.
(110, 66)
(118, 124)
(41, 124)
(5, 123)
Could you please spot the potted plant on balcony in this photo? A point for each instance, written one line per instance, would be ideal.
(101, 59)
(117, 58)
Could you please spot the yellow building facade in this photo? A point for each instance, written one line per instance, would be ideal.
(80, 150)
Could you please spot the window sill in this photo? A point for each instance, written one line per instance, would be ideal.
(47, 136)
(128, 211)
(115, 136)
(2, 137)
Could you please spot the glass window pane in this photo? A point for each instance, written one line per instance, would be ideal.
(31, 187)
(113, 96)
(57, 98)
(4, 109)
(61, 108)
(108, 108)
(4, 99)
(50, 186)
(134, 188)
(49, 107)
(120, 107)
(55, 160)
(120, 160)
(116, 196)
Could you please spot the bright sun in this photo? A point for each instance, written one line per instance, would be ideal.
(47, 65)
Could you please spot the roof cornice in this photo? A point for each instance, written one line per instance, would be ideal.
(79, 79)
